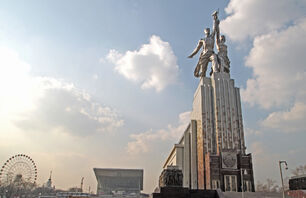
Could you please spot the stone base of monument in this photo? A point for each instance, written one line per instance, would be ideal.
(171, 186)
(180, 192)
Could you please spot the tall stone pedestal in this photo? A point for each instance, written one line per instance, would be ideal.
(214, 152)
(180, 192)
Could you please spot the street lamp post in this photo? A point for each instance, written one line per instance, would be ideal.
(281, 173)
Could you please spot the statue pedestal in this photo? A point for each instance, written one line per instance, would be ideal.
(180, 192)
(171, 186)
(213, 144)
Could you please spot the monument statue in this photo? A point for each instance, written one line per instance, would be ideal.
(212, 149)
(224, 62)
(220, 61)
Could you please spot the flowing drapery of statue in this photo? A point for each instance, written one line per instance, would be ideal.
(220, 61)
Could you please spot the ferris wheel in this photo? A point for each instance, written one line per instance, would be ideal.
(18, 168)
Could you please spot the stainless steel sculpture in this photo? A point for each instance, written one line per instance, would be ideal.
(224, 62)
(220, 61)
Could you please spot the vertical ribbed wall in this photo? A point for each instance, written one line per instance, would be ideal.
(217, 107)
(207, 115)
(216, 125)
(228, 116)
(240, 122)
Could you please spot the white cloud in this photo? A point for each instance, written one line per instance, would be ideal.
(153, 65)
(278, 64)
(258, 149)
(46, 104)
(144, 142)
(288, 121)
(277, 29)
(64, 107)
(251, 18)
(249, 131)
(95, 76)
(15, 83)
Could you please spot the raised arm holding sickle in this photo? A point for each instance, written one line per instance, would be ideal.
(223, 60)
(216, 23)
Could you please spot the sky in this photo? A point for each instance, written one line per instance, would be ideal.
(107, 84)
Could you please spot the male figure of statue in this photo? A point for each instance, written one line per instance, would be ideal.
(207, 55)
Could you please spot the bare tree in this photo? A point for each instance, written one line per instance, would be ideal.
(17, 189)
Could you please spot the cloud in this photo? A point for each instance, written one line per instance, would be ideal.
(15, 83)
(251, 18)
(288, 121)
(278, 64)
(276, 58)
(64, 107)
(95, 76)
(144, 142)
(258, 149)
(47, 104)
(249, 131)
(154, 65)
